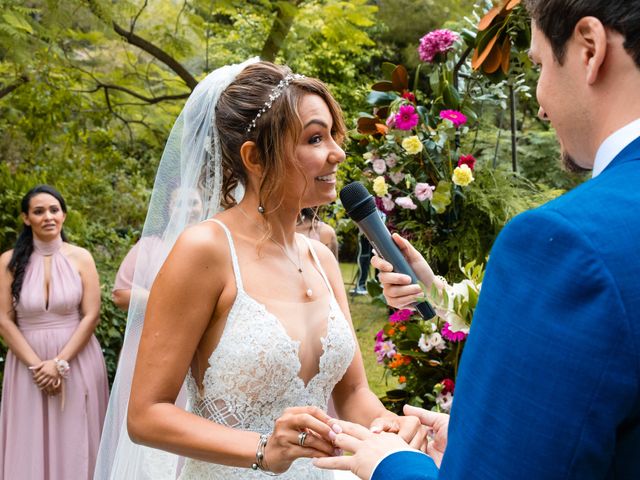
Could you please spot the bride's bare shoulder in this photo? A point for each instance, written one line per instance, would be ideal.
(205, 241)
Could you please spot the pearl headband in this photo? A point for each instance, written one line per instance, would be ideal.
(275, 93)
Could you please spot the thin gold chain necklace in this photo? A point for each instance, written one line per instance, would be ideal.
(308, 291)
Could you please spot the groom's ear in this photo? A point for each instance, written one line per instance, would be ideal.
(250, 161)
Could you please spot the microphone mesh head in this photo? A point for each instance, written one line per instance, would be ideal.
(357, 201)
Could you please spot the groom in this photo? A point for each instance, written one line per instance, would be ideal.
(549, 384)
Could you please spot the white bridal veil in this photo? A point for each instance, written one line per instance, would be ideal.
(190, 167)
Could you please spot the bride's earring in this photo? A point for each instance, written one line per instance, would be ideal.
(260, 208)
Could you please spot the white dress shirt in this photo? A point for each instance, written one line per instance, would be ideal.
(614, 144)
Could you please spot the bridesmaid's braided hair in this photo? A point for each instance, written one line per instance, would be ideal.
(23, 248)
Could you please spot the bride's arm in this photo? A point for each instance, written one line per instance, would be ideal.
(353, 399)
(185, 298)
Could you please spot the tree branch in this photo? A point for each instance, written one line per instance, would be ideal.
(157, 53)
(149, 100)
(11, 87)
(281, 25)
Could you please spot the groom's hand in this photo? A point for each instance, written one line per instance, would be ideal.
(368, 449)
(438, 424)
(407, 427)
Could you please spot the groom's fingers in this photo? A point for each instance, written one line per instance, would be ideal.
(426, 417)
(334, 463)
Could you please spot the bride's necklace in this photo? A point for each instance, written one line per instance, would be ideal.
(308, 291)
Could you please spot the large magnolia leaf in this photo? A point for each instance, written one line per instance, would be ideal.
(400, 79)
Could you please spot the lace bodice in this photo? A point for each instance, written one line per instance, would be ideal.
(253, 376)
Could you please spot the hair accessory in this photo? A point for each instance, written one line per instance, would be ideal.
(275, 93)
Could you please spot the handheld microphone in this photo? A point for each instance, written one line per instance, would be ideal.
(361, 208)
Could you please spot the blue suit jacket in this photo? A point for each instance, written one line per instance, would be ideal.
(549, 382)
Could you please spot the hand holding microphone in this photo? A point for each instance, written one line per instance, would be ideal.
(361, 208)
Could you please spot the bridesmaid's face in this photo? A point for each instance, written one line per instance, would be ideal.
(45, 216)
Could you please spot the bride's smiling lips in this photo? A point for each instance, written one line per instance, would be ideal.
(329, 178)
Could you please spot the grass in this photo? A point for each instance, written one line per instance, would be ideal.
(367, 319)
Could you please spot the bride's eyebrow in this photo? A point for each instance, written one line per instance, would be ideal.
(316, 122)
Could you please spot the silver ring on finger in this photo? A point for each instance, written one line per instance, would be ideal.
(302, 436)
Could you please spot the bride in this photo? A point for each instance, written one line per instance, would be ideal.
(249, 315)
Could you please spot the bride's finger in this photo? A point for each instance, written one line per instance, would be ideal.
(311, 441)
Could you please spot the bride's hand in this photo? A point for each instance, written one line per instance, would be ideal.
(284, 446)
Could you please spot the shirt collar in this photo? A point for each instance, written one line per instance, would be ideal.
(614, 144)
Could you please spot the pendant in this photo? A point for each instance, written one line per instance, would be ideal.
(309, 293)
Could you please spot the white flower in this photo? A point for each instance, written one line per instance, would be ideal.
(367, 156)
(445, 401)
(432, 342)
(457, 290)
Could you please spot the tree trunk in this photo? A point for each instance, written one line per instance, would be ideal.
(283, 22)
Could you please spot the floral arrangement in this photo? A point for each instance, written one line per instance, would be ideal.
(424, 354)
(420, 160)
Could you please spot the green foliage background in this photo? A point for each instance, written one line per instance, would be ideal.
(86, 106)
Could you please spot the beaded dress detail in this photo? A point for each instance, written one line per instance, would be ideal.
(252, 376)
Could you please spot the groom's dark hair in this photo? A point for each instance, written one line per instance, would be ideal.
(557, 20)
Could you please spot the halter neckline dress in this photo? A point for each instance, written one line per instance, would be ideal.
(40, 438)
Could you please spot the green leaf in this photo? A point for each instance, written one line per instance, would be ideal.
(441, 196)
(17, 22)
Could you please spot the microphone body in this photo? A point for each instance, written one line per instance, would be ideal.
(362, 210)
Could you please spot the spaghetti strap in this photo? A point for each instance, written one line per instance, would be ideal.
(320, 269)
(232, 250)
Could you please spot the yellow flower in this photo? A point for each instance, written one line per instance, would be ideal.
(462, 176)
(412, 145)
(380, 187)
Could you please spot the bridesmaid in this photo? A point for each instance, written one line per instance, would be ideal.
(55, 391)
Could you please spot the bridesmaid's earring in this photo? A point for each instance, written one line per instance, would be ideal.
(260, 209)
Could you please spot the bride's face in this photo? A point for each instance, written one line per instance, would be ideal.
(317, 153)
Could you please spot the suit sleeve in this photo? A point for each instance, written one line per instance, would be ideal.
(548, 372)
(406, 465)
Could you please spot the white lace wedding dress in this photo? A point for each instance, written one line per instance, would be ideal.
(253, 376)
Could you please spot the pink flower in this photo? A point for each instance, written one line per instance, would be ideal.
(384, 349)
(387, 203)
(452, 336)
(391, 159)
(449, 386)
(380, 336)
(400, 315)
(396, 177)
(379, 166)
(406, 202)
(391, 121)
(433, 43)
(406, 118)
(454, 116)
(424, 191)
(468, 160)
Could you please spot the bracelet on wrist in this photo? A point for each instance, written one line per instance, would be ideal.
(259, 464)
(62, 366)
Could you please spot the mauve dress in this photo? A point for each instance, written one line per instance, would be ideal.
(40, 439)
